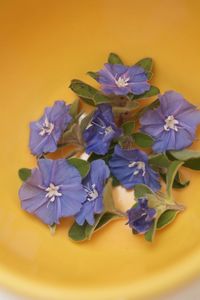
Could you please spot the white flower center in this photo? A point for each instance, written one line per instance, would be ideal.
(53, 192)
(139, 165)
(47, 127)
(122, 81)
(108, 130)
(170, 123)
(102, 126)
(92, 193)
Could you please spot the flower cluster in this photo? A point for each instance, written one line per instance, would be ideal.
(126, 145)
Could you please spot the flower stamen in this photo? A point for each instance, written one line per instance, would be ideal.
(139, 165)
(47, 128)
(53, 192)
(92, 193)
(122, 81)
(170, 123)
(101, 125)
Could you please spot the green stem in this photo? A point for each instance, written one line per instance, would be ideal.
(171, 173)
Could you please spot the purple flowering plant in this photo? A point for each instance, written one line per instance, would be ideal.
(93, 185)
(141, 217)
(46, 132)
(52, 191)
(141, 148)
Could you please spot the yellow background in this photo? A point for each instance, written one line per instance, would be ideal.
(45, 44)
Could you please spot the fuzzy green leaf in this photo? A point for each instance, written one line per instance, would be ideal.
(159, 160)
(191, 158)
(178, 182)
(130, 106)
(108, 198)
(143, 140)
(80, 233)
(81, 165)
(94, 75)
(89, 94)
(128, 127)
(149, 75)
(141, 190)
(114, 59)
(171, 173)
(74, 107)
(115, 182)
(146, 64)
(72, 136)
(106, 218)
(166, 218)
(151, 92)
(146, 108)
(149, 235)
(24, 173)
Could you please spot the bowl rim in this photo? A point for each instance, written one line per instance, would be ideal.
(183, 271)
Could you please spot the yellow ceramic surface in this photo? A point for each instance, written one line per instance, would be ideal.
(45, 44)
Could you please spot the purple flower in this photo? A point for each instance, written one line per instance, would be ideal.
(46, 132)
(121, 80)
(141, 217)
(173, 124)
(101, 130)
(53, 191)
(93, 184)
(131, 167)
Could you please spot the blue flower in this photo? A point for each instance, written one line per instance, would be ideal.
(173, 124)
(46, 132)
(141, 217)
(101, 130)
(121, 80)
(93, 184)
(131, 167)
(53, 191)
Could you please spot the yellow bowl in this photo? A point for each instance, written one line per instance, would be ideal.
(45, 44)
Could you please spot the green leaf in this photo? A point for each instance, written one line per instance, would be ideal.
(159, 160)
(105, 219)
(131, 105)
(146, 108)
(94, 75)
(178, 183)
(143, 140)
(149, 75)
(108, 198)
(146, 64)
(80, 233)
(73, 136)
(166, 218)
(151, 92)
(141, 190)
(84, 232)
(128, 127)
(114, 59)
(89, 94)
(115, 181)
(171, 173)
(95, 156)
(24, 173)
(81, 165)
(149, 235)
(191, 158)
(74, 107)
